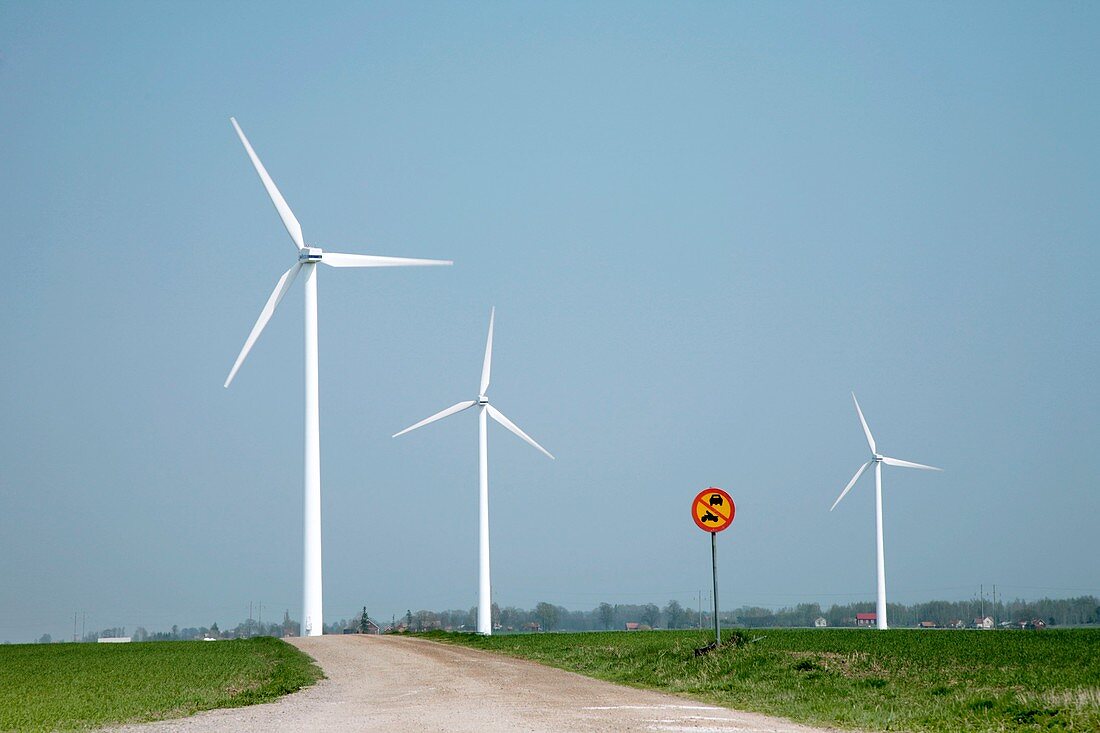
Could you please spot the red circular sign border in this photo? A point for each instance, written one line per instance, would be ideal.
(699, 497)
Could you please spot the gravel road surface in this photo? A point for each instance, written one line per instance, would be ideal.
(395, 684)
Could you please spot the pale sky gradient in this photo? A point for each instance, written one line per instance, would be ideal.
(702, 225)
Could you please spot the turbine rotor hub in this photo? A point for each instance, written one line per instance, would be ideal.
(482, 399)
(310, 254)
(877, 457)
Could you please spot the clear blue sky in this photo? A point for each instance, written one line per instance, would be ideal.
(702, 224)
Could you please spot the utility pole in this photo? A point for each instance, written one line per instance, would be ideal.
(982, 591)
(994, 605)
(83, 623)
(74, 626)
(260, 614)
(699, 618)
(250, 619)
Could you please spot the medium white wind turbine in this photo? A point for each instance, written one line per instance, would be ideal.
(878, 459)
(308, 257)
(484, 597)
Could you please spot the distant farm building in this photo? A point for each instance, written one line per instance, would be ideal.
(866, 619)
(927, 625)
(632, 625)
(983, 623)
(533, 626)
(820, 622)
(114, 640)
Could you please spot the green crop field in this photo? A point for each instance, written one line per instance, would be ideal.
(875, 680)
(46, 687)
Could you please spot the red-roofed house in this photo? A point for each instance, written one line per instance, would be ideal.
(866, 619)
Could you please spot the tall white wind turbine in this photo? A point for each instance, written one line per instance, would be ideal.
(878, 459)
(308, 257)
(484, 597)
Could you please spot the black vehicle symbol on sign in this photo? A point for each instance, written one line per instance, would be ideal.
(716, 500)
(708, 517)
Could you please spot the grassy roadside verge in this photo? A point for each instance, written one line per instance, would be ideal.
(46, 687)
(935, 681)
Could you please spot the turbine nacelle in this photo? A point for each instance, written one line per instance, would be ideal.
(876, 457)
(310, 254)
(482, 400)
(306, 255)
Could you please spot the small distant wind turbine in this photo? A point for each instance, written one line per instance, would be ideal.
(308, 257)
(484, 598)
(878, 459)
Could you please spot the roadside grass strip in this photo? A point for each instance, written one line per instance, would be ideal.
(903, 679)
(47, 687)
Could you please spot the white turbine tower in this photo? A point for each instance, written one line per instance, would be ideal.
(308, 257)
(878, 459)
(484, 597)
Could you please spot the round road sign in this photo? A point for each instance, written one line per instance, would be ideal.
(713, 510)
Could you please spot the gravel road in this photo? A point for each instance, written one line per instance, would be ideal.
(395, 684)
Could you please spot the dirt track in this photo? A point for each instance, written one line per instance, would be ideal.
(394, 684)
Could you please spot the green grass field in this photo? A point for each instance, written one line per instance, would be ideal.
(46, 687)
(875, 680)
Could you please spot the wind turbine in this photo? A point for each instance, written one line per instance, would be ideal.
(878, 459)
(308, 257)
(484, 597)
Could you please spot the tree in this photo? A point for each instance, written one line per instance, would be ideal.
(651, 615)
(409, 619)
(290, 627)
(363, 621)
(607, 615)
(675, 615)
(175, 631)
(215, 631)
(547, 615)
(45, 639)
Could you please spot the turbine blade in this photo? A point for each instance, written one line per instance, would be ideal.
(908, 464)
(851, 484)
(338, 259)
(500, 418)
(289, 221)
(265, 315)
(487, 365)
(866, 430)
(439, 416)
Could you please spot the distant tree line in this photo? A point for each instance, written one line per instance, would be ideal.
(546, 616)
(1054, 612)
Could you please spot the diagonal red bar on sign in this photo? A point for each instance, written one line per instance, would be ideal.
(725, 517)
